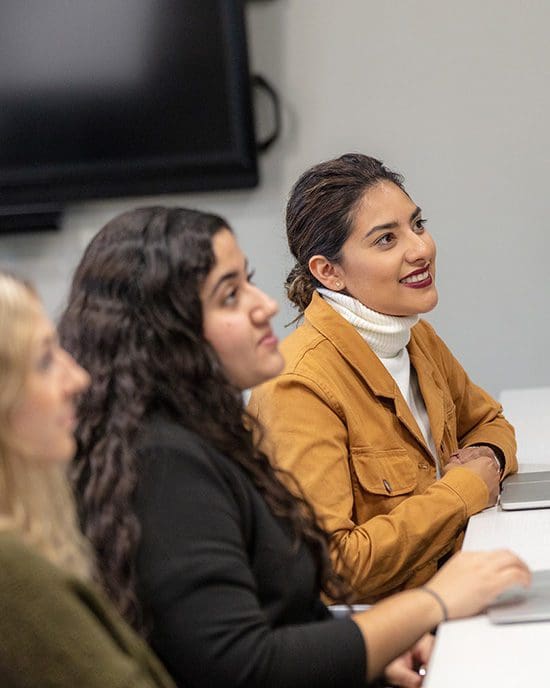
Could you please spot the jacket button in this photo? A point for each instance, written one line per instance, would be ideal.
(423, 466)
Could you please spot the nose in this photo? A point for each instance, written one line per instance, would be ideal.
(419, 248)
(264, 307)
(76, 378)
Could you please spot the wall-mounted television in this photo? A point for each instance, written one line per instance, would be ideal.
(105, 98)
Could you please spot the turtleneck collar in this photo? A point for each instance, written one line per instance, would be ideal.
(387, 335)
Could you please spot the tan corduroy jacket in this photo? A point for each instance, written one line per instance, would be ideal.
(337, 421)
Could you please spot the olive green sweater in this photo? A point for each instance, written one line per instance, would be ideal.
(57, 631)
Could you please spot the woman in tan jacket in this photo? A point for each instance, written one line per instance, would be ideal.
(387, 436)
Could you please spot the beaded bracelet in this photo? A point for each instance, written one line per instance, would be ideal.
(438, 600)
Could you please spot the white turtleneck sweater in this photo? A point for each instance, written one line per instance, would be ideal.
(388, 336)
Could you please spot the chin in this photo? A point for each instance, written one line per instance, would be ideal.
(264, 371)
(425, 305)
(432, 304)
(266, 375)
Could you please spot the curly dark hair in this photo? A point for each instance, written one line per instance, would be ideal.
(134, 321)
(320, 214)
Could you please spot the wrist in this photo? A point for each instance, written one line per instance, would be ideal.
(441, 606)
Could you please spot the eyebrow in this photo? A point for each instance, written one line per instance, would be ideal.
(392, 225)
(227, 277)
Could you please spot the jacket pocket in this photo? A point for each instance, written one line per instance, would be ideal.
(389, 472)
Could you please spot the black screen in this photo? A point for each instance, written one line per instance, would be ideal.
(112, 97)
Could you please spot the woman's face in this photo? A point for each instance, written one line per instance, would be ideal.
(44, 419)
(236, 317)
(388, 261)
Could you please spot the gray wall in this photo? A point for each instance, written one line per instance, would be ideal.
(455, 96)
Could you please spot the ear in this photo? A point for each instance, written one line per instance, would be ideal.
(329, 274)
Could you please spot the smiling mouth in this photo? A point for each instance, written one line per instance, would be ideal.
(417, 277)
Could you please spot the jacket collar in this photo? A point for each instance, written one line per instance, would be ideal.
(351, 346)
(430, 388)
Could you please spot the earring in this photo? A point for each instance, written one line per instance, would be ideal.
(338, 285)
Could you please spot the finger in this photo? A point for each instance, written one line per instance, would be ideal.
(512, 576)
(469, 454)
(401, 675)
(489, 564)
(504, 570)
(423, 649)
(451, 465)
(504, 557)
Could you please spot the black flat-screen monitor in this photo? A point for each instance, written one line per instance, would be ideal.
(104, 98)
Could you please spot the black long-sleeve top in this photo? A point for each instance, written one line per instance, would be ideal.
(232, 601)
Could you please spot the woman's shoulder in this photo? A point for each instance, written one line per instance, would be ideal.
(22, 569)
(299, 342)
(170, 454)
(25, 574)
(310, 349)
(15, 554)
(59, 630)
(159, 430)
(182, 478)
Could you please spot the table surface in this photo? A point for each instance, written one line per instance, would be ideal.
(473, 653)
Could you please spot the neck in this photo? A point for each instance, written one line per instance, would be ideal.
(387, 335)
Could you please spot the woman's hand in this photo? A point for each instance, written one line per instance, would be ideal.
(403, 671)
(481, 461)
(467, 454)
(470, 581)
(467, 583)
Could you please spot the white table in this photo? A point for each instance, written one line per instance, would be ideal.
(474, 653)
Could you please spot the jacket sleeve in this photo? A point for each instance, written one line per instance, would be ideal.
(480, 419)
(198, 582)
(308, 431)
(58, 633)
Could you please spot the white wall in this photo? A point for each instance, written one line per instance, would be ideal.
(455, 96)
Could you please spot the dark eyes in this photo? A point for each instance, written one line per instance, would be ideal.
(385, 239)
(231, 296)
(389, 238)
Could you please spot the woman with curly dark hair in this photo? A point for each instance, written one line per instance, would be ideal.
(199, 543)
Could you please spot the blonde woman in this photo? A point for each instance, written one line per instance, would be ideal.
(55, 629)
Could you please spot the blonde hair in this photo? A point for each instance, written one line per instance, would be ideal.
(36, 501)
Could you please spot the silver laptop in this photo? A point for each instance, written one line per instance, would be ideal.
(517, 605)
(532, 477)
(526, 491)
